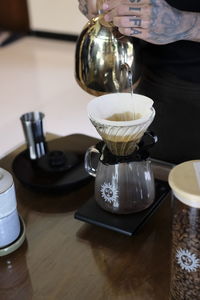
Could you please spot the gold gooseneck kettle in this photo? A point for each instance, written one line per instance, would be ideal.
(101, 51)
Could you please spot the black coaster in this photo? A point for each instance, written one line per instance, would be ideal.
(35, 176)
(128, 224)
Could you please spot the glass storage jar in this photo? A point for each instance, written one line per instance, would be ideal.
(184, 180)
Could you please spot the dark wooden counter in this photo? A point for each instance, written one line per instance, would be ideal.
(63, 258)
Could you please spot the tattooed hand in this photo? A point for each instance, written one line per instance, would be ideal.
(153, 20)
(88, 8)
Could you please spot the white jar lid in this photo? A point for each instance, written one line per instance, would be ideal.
(184, 180)
(7, 194)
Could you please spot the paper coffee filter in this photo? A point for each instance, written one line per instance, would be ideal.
(105, 106)
(121, 137)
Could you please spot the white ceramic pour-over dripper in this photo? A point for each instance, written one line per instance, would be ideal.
(134, 115)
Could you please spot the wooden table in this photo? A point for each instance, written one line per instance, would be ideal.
(63, 258)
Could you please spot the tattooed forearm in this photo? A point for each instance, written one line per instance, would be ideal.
(174, 25)
(154, 21)
(83, 6)
(85, 10)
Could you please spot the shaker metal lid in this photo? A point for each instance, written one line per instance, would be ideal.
(184, 180)
(7, 194)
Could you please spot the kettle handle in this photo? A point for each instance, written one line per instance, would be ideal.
(89, 161)
(99, 6)
(126, 67)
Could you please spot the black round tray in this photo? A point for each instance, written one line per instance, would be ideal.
(31, 175)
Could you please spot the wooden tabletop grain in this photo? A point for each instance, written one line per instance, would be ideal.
(63, 258)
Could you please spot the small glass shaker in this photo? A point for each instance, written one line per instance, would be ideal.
(184, 180)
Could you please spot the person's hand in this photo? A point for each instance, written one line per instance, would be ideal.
(154, 21)
(88, 8)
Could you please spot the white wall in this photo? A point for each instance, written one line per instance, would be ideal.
(59, 16)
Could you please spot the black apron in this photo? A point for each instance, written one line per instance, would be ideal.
(171, 78)
(177, 120)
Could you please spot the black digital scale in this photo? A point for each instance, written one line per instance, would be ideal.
(128, 224)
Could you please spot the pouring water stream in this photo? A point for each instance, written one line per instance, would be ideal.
(127, 68)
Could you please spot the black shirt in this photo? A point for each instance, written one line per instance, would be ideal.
(181, 58)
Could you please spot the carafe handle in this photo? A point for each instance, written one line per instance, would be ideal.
(89, 167)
